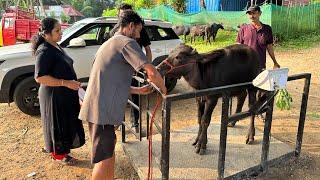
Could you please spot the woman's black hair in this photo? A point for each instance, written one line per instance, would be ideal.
(46, 27)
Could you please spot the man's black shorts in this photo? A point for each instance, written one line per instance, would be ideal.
(103, 140)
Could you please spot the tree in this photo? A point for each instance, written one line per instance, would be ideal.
(65, 18)
(178, 5)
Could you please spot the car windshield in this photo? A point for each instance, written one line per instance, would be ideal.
(72, 29)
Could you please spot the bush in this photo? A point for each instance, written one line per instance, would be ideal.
(110, 12)
(65, 18)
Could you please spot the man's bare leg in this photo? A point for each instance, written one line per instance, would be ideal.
(104, 169)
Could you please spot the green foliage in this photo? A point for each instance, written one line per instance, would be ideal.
(148, 3)
(137, 4)
(178, 5)
(52, 14)
(283, 100)
(88, 11)
(110, 12)
(65, 18)
(90, 8)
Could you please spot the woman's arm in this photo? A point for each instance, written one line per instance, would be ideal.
(54, 82)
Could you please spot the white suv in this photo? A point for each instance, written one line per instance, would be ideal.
(17, 64)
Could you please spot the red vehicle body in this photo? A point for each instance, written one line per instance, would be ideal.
(20, 25)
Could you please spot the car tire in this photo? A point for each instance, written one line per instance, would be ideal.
(169, 82)
(26, 96)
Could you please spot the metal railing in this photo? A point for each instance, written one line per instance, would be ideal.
(226, 118)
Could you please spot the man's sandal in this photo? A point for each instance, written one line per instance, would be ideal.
(67, 160)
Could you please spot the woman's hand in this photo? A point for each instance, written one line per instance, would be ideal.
(71, 84)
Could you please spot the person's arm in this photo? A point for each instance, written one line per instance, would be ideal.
(239, 39)
(144, 90)
(271, 53)
(155, 77)
(54, 82)
(148, 53)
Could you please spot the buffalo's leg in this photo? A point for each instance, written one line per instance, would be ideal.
(241, 98)
(205, 122)
(251, 129)
(201, 105)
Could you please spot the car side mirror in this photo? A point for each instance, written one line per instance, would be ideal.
(76, 43)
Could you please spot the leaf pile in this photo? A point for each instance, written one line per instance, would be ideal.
(283, 100)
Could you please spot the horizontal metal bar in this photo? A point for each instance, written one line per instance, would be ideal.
(219, 90)
(206, 92)
(133, 105)
(299, 76)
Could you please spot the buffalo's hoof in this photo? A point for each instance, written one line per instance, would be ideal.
(231, 124)
(249, 141)
(197, 149)
(202, 152)
(195, 143)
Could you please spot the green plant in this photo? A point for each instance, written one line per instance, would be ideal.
(178, 5)
(110, 12)
(52, 14)
(64, 18)
(283, 100)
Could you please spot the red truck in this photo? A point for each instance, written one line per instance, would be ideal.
(18, 25)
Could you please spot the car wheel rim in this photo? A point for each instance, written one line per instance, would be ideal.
(30, 98)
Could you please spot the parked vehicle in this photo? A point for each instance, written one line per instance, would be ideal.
(19, 25)
(17, 64)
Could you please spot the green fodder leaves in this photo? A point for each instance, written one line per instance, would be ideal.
(283, 100)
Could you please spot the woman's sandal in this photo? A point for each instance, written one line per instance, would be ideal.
(67, 160)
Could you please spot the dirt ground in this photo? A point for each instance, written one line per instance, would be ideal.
(21, 135)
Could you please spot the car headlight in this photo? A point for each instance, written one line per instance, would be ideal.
(1, 61)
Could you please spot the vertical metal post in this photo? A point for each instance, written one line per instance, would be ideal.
(140, 116)
(266, 134)
(223, 135)
(165, 147)
(123, 131)
(302, 117)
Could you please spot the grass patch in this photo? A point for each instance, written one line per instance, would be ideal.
(303, 41)
(225, 38)
(314, 115)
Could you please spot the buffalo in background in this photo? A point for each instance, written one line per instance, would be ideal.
(182, 30)
(211, 31)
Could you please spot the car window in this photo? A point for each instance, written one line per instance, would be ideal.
(95, 35)
(158, 33)
(91, 34)
(8, 22)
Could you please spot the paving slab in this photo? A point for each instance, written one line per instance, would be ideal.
(186, 164)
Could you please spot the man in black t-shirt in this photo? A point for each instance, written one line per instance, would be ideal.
(144, 42)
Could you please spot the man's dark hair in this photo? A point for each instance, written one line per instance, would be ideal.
(128, 17)
(125, 6)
